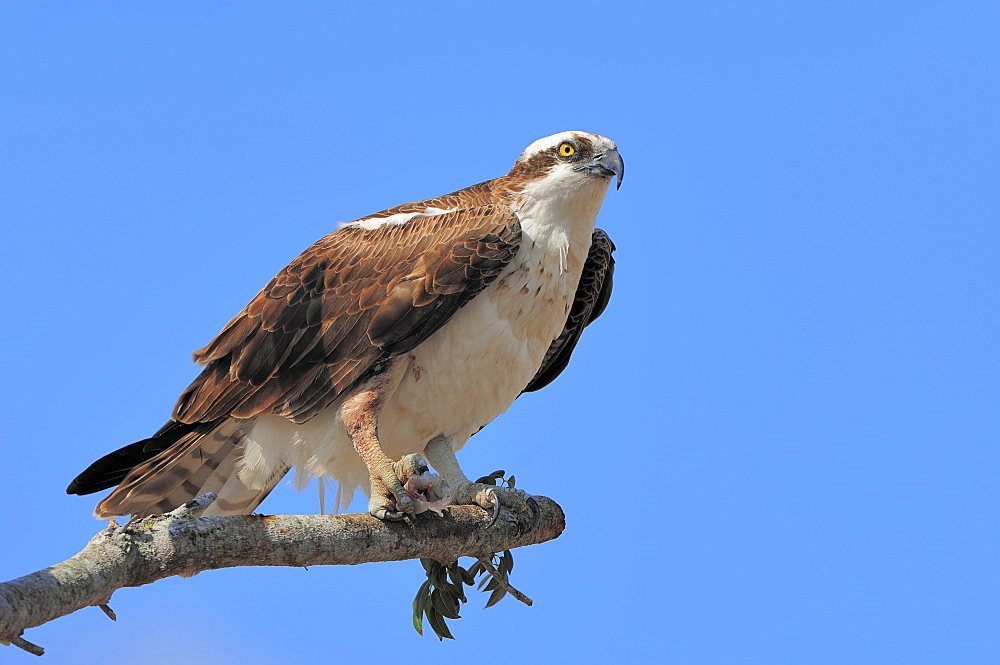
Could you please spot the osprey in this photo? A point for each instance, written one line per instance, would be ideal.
(400, 333)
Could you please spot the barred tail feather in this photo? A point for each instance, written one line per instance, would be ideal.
(202, 460)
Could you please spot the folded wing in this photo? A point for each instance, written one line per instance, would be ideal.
(592, 295)
(355, 298)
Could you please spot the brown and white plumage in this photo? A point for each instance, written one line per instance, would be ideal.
(429, 318)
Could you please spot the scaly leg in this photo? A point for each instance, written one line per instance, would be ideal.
(359, 413)
(488, 497)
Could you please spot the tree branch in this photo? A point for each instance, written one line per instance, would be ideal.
(502, 581)
(180, 543)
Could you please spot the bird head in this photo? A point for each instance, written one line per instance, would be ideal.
(571, 159)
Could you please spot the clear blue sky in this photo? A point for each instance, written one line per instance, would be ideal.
(779, 444)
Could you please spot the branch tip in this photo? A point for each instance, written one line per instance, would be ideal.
(22, 643)
(110, 612)
(502, 581)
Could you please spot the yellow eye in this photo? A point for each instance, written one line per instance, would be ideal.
(566, 150)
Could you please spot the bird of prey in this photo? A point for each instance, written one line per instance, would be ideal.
(399, 334)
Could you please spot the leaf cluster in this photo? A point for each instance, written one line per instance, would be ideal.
(496, 478)
(441, 595)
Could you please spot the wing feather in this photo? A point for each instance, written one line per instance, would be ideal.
(354, 298)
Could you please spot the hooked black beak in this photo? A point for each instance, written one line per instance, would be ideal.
(608, 164)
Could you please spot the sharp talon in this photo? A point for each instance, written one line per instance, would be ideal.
(496, 509)
(387, 515)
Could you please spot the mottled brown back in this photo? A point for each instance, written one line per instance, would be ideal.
(354, 298)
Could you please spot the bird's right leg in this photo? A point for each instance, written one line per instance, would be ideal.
(359, 413)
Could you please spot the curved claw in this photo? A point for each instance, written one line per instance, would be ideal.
(496, 509)
(492, 499)
(387, 515)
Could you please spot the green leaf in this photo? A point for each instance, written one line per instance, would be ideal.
(455, 576)
(487, 579)
(419, 604)
(438, 624)
(439, 576)
(496, 596)
(445, 604)
(420, 600)
(507, 563)
(492, 478)
(510, 481)
(437, 602)
(457, 591)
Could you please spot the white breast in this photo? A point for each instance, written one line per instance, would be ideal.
(473, 369)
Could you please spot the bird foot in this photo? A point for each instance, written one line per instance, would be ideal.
(491, 497)
(407, 487)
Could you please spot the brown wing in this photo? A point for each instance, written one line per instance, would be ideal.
(592, 296)
(473, 196)
(356, 297)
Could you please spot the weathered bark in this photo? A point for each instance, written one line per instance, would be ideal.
(179, 543)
